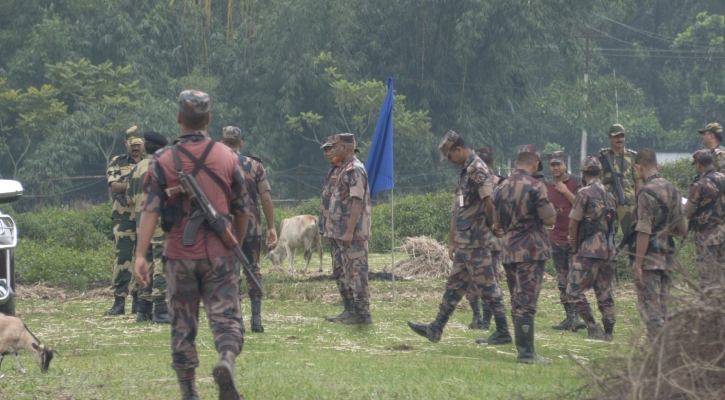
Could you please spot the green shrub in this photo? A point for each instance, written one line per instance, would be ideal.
(680, 173)
(77, 229)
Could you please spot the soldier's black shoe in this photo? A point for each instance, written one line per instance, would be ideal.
(357, 319)
(524, 332)
(145, 308)
(119, 306)
(500, 336)
(257, 316)
(188, 389)
(595, 332)
(479, 323)
(349, 309)
(486, 317)
(565, 325)
(134, 303)
(427, 331)
(224, 377)
(608, 332)
(161, 319)
(161, 312)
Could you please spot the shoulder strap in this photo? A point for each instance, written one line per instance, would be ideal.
(198, 164)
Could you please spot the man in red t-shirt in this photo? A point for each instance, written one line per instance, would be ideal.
(205, 269)
(562, 189)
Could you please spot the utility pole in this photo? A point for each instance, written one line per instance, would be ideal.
(588, 35)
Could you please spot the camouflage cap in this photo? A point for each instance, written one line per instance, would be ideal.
(713, 127)
(485, 152)
(530, 148)
(592, 164)
(194, 102)
(616, 130)
(133, 135)
(449, 139)
(556, 157)
(231, 133)
(155, 137)
(704, 157)
(340, 137)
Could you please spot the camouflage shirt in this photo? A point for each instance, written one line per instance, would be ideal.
(623, 164)
(521, 204)
(590, 204)
(474, 185)
(651, 219)
(328, 186)
(135, 195)
(707, 206)
(718, 156)
(352, 182)
(118, 171)
(257, 183)
(495, 241)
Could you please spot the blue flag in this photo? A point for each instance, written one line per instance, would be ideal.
(379, 163)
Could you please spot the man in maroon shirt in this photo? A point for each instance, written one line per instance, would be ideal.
(562, 189)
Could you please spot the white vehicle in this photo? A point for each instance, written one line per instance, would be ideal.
(10, 191)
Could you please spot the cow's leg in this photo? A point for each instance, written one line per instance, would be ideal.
(291, 256)
(17, 360)
(308, 256)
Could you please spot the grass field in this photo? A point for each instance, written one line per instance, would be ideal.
(299, 356)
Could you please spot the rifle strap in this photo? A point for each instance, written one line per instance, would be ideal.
(198, 164)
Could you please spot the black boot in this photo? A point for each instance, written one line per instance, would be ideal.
(349, 309)
(524, 332)
(119, 306)
(161, 312)
(187, 384)
(500, 336)
(145, 309)
(477, 321)
(257, 316)
(223, 373)
(434, 330)
(486, 317)
(608, 331)
(565, 325)
(575, 322)
(359, 316)
(134, 303)
(595, 331)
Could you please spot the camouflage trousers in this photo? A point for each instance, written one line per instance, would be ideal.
(216, 282)
(710, 262)
(337, 271)
(157, 287)
(252, 247)
(354, 262)
(652, 301)
(472, 295)
(524, 282)
(473, 272)
(124, 242)
(588, 273)
(562, 255)
(625, 216)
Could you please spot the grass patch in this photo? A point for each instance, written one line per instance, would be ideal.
(300, 356)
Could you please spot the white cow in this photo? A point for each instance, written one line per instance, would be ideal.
(296, 233)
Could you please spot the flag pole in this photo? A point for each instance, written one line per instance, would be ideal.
(392, 241)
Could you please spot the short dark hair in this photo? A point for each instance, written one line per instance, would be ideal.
(705, 160)
(646, 158)
(591, 174)
(488, 160)
(151, 147)
(718, 136)
(460, 143)
(194, 121)
(528, 158)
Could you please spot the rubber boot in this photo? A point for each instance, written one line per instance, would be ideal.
(360, 316)
(595, 332)
(608, 332)
(575, 323)
(487, 315)
(119, 306)
(500, 336)
(223, 373)
(187, 384)
(145, 309)
(349, 309)
(134, 303)
(477, 322)
(161, 312)
(257, 316)
(524, 332)
(565, 325)
(434, 330)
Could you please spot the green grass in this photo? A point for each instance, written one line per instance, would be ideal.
(302, 357)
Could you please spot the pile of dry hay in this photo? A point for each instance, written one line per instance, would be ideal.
(686, 360)
(428, 259)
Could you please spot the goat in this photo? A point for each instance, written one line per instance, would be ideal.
(14, 335)
(296, 233)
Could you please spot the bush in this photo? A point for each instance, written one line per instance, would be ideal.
(680, 173)
(77, 229)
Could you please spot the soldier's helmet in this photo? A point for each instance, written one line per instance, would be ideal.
(231, 133)
(340, 137)
(194, 103)
(134, 135)
(713, 127)
(616, 130)
(556, 157)
(591, 164)
(449, 139)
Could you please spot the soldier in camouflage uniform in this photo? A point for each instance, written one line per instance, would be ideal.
(705, 208)
(712, 139)
(591, 236)
(659, 219)
(259, 189)
(205, 270)
(469, 244)
(561, 189)
(348, 226)
(152, 299)
(522, 208)
(124, 224)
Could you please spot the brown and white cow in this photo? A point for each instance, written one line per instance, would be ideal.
(298, 232)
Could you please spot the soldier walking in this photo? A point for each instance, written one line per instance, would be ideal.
(561, 190)
(152, 299)
(259, 189)
(705, 208)
(124, 224)
(207, 268)
(469, 244)
(522, 208)
(591, 236)
(659, 219)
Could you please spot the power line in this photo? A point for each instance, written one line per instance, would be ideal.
(657, 36)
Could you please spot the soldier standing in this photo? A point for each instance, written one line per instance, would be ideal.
(152, 299)
(659, 218)
(712, 139)
(348, 226)
(124, 224)
(561, 189)
(522, 208)
(207, 268)
(469, 244)
(259, 189)
(591, 236)
(705, 208)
